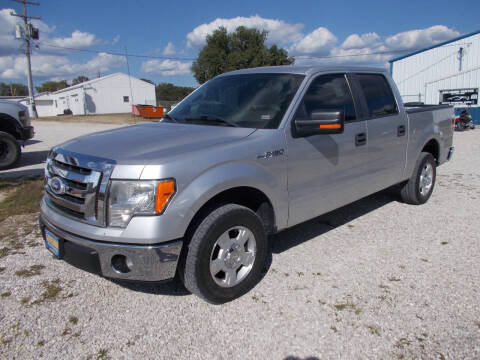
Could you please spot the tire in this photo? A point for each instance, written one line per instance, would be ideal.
(216, 245)
(418, 189)
(460, 126)
(9, 150)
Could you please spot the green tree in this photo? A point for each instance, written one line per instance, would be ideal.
(52, 86)
(13, 89)
(244, 48)
(170, 92)
(79, 79)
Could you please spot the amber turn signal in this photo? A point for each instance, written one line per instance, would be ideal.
(165, 191)
(330, 126)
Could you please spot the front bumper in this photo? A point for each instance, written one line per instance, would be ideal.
(27, 133)
(146, 262)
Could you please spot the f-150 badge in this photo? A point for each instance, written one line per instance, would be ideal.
(270, 154)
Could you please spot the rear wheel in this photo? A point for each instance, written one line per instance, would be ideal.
(225, 255)
(9, 150)
(419, 187)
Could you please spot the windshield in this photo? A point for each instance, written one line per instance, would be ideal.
(250, 100)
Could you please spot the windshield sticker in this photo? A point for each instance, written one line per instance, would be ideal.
(265, 117)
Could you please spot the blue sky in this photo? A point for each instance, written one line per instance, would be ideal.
(173, 32)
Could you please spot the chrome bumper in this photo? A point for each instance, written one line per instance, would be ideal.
(145, 262)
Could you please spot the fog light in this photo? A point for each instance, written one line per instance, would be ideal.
(121, 264)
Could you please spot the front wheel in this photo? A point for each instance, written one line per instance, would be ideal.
(9, 150)
(419, 187)
(225, 255)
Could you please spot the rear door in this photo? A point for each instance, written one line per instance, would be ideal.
(387, 131)
(326, 171)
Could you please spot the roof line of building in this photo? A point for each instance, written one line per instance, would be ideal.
(85, 83)
(434, 46)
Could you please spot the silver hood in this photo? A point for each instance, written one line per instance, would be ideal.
(149, 143)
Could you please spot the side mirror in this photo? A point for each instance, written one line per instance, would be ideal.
(321, 122)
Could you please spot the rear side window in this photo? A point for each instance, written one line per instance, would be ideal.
(328, 92)
(378, 94)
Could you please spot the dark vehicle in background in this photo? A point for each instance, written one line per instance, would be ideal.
(15, 128)
(464, 121)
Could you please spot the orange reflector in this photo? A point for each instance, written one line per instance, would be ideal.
(165, 190)
(330, 126)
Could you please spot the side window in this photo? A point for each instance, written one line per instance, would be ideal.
(328, 92)
(378, 94)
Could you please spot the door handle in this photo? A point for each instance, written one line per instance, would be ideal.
(401, 130)
(360, 139)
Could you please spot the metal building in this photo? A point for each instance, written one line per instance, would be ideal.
(446, 73)
(115, 93)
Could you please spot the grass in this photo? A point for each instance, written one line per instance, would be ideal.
(102, 354)
(23, 197)
(348, 306)
(73, 320)
(34, 270)
(25, 300)
(52, 289)
(124, 118)
(374, 330)
(6, 294)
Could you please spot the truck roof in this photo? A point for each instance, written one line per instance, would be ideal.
(307, 70)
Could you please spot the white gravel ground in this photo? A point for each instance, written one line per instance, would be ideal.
(377, 279)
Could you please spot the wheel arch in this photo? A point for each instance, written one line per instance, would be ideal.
(248, 196)
(432, 146)
(9, 125)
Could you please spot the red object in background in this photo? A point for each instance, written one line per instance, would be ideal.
(148, 111)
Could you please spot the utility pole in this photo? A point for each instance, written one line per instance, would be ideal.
(27, 35)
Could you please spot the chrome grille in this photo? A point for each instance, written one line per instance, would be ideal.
(76, 186)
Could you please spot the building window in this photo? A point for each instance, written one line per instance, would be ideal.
(126, 99)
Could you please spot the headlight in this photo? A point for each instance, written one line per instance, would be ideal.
(129, 198)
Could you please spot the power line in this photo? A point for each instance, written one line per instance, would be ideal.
(114, 53)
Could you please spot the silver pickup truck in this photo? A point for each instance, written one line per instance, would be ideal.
(247, 154)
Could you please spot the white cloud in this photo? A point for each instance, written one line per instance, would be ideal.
(356, 41)
(116, 39)
(420, 38)
(166, 67)
(279, 32)
(320, 41)
(169, 49)
(78, 39)
(54, 66)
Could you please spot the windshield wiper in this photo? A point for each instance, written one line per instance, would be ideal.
(166, 116)
(211, 119)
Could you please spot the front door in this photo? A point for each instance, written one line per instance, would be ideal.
(326, 171)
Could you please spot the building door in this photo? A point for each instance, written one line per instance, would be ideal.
(76, 105)
(329, 170)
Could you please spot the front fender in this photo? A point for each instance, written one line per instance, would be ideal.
(192, 196)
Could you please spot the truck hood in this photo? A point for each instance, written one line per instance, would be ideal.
(151, 143)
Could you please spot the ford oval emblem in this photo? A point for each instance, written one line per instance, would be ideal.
(57, 185)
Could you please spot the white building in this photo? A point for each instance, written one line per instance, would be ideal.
(115, 93)
(446, 73)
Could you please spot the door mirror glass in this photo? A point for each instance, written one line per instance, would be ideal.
(320, 122)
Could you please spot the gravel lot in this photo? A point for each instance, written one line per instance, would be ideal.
(377, 279)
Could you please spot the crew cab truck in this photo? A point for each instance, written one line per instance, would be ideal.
(15, 128)
(249, 153)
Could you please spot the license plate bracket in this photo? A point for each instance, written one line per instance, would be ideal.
(54, 244)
